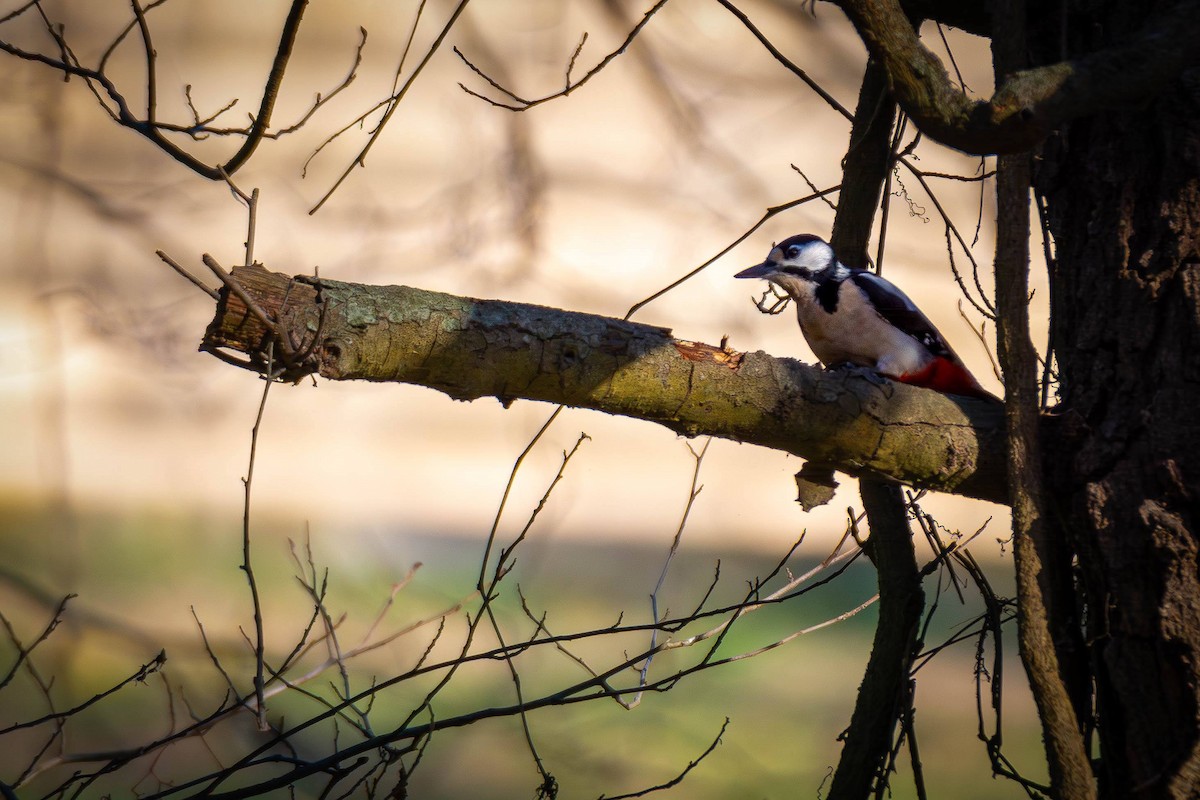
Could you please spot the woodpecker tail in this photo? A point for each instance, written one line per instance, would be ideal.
(947, 377)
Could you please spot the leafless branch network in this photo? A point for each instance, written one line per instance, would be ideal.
(115, 102)
(520, 103)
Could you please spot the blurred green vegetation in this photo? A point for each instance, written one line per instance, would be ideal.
(140, 576)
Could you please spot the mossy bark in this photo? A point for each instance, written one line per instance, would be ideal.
(469, 349)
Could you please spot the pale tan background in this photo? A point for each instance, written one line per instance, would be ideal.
(634, 179)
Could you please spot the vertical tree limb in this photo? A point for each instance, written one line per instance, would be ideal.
(879, 705)
(880, 701)
(1039, 573)
(864, 168)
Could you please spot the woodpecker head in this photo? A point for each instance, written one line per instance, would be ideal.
(795, 261)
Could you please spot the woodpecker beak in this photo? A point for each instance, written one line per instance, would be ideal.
(758, 270)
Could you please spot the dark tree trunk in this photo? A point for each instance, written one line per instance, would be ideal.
(885, 694)
(1123, 195)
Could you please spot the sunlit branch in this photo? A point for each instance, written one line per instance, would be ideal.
(1028, 103)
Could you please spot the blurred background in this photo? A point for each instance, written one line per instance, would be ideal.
(122, 448)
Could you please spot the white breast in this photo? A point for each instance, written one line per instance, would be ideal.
(856, 333)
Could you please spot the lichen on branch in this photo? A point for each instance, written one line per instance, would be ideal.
(469, 348)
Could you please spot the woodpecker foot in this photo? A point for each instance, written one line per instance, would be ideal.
(868, 374)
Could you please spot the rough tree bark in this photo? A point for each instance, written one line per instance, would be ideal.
(1042, 572)
(1123, 194)
(1038, 572)
(471, 348)
(1114, 85)
(1028, 104)
(882, 695)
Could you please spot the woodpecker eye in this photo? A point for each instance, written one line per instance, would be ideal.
(793, 251)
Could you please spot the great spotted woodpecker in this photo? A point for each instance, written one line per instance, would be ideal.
(856, 317)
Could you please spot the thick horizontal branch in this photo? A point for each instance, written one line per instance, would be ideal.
(1029, 103)
(858, 423)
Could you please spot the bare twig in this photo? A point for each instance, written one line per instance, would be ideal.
(1049, 376)
(24, 651)
(693, 493)
(813, 187)
(770, 212)
(251, 201)
(391, 104)
(247, 566)
(981, 335)
(148, 125)
(524, 104)
(778, 56)
(678, 778)
(987, 309)
(548, 783)
(199, 284)
(138, 676)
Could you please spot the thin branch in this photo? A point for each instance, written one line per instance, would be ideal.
(262, 120)
(199, 284)
(949, 176)
(885, 204)
(19, 10)
(523, 104)
(693, 493)
(149, 126)
(251, 201)
(962, 84)
(151, 56)
(548, 783)
(1049, 376)
(247, 566)
(770, 212)
(832, 206)
(782, 59)
(361, 118)
(23, 652)
(512, 476)
(138, 676)
(981, 335)
(1027, 103)
(983, 305)
(102, 65)
(199, 127)
(678, 778)
(391, 105)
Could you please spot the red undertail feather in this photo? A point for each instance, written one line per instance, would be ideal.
(947, 377)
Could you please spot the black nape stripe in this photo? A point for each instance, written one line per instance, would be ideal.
(827, 295)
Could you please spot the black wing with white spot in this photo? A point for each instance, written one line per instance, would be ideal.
(895, 307)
